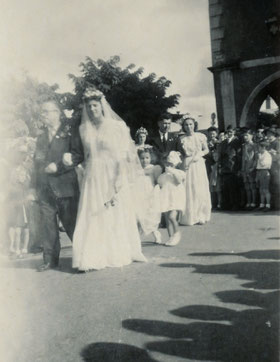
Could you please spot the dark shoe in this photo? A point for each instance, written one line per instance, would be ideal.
(36, 250)
(46, 266)
(260, 208)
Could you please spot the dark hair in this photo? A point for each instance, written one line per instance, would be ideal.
(212, 129)
(248, 131)
(149, 150)
(140, 151)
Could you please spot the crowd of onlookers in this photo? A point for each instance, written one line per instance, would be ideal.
(243, 167)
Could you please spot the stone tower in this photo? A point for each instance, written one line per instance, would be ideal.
(245, 43)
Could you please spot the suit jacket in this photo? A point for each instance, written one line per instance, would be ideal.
(229, 156)
(162, 150)
(64, 182)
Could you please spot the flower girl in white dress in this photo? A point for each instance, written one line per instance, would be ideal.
(151, 219)
(172, 195)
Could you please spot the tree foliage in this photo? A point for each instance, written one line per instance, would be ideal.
(25, 97)
(139, 100)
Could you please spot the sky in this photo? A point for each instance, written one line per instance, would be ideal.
(50, 38)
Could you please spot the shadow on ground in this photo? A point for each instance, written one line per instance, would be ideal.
(114, 352)
(222, 333)
(253, 254)
(263, 275)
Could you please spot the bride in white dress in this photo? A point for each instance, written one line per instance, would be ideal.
(106, 233)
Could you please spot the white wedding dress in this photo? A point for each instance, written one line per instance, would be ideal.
(107, 236)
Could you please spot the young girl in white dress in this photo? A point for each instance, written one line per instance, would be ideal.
(172, 196)
(151, 220)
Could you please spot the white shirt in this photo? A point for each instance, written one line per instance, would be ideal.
(264, 161)
(163, 135)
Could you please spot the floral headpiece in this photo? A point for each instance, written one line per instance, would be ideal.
(174, 157)
(141, 130)
(91, 92)
(187, 116)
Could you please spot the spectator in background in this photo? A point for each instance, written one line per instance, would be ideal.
(259, 135)
(248, 170)
(221, 137)
(212, 141)
(274, 150)
(264, 162)
(215, 182)
(18, 223)
(228, 168)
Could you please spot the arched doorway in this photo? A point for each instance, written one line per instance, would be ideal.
(270, 86)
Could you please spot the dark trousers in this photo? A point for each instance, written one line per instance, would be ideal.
(51, 207)
(230, 193)
(34, 225)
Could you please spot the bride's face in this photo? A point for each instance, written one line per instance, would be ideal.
(94, 111)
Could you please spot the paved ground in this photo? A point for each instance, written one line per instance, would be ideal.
(214, 297)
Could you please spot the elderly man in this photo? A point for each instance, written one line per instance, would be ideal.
(163, 141)
(56, 185)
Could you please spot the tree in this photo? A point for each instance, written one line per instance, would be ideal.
(22, 99)
(28, 98)
(140, 101)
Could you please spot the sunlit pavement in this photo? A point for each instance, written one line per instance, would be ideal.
(213, 297)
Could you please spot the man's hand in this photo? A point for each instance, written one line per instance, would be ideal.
(67, 159)
(51, 168)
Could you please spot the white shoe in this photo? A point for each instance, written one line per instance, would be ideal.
(24, 251)
(201, 223)
(174, 240)
(157, 236)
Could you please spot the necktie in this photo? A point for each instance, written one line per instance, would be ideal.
(164, 143)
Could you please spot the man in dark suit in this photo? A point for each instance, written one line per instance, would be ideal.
(229, 166)
(56, 185)
(163, 141)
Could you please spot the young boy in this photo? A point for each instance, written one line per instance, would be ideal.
(263, 176)
(249, 160)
